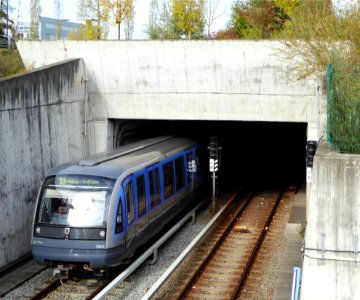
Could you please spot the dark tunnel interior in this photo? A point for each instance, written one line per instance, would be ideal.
(253, 154)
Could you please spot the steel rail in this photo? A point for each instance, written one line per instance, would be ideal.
(46, 291)
(217, 245)
(256, 249)
(99, 289)
(151, 292)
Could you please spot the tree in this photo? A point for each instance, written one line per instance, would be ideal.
(287, 6)
(35, 11)
(7, 25)
(240, 22)
(210, 14)
(161, 24)
(87, 31)
(129, 24)
(91, 11)
(260, 19)
(3, 17)
(312, 37)
(318, 35)
(153, 28)
(188, 17)
(176, 19)
(58, 9)
(122, 11)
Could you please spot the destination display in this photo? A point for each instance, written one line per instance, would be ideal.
(77, 181)
(82, 181)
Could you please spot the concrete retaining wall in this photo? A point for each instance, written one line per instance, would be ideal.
(187, 80)
(332, 262)
(41, 126)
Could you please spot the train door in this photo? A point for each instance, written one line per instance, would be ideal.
(180, 178)
(141, 204)
(129, 214)
(191, 165)
(200, 161)
(119, 224)
(154, 191)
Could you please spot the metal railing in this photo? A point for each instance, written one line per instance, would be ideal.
(296, 284)
(4, 43)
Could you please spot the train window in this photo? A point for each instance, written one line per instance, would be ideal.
(180, 172)
(140, 185)
(154, 182)
(130, 202)
(119, 219)
(168, 171)
(73, 201)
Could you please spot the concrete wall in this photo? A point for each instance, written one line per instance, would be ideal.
(41, 126)
(332, 259)
(187, 80)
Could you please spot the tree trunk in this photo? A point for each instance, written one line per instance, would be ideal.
(119, 31)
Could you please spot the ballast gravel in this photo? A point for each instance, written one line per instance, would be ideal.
(138, 283)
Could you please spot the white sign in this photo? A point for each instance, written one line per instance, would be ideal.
(214, 165)
(192, 166)
(308, 175)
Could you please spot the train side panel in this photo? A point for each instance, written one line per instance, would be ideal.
(169, 188)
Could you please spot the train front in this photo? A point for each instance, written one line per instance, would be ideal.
(70, 224)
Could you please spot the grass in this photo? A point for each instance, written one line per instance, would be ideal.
(10, 62)
(302, 229)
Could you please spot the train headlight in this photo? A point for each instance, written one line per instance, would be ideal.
(102, 233)
(37, 230)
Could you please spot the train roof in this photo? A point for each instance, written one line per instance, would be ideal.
(113, 163)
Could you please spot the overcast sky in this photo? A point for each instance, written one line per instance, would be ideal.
(22, 9)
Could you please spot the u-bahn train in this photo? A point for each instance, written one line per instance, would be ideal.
(96, 212)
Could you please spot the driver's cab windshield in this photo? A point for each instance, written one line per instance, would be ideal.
(76, 201)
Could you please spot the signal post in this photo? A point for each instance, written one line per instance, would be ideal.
(214, 164)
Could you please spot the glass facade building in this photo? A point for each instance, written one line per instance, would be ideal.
(49, 29)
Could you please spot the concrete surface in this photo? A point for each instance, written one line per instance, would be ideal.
(21, 274)
(42, 113)
(292, 256)
(41, 126)
(187, 80)
(331, 263)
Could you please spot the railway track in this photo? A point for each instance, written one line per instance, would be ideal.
(219, 266)
(72, 289)
(233, 235)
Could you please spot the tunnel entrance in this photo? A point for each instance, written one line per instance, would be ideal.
(254, 154)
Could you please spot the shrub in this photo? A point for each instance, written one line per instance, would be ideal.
(10, 62)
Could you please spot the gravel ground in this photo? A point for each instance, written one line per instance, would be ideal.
(137, 284)
(29, 288)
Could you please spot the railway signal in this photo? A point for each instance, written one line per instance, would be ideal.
(214, 164)
(311, 147)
